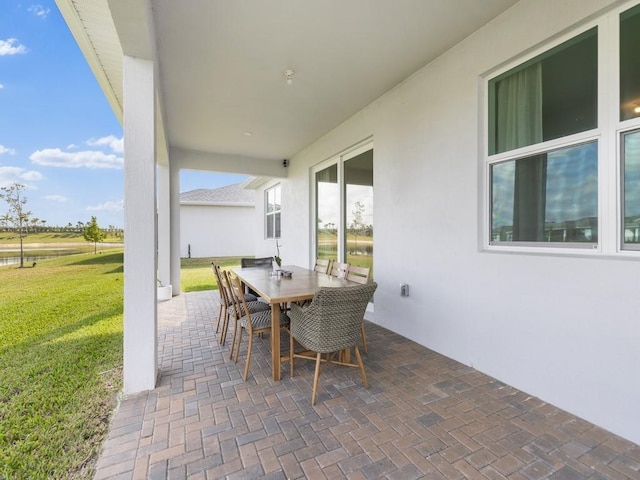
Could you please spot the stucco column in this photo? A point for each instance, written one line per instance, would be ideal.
(174, 189)
(164, 227)
(140, 226)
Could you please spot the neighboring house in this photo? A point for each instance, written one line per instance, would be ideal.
(481, 130)
(209, 216)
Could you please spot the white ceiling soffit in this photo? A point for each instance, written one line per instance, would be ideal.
(221, 62)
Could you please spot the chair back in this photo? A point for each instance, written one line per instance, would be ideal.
(221, 290)
(240, 302)
(339, 269)
(322, 265)
(358, 274)
(256, 262)
(333, 320)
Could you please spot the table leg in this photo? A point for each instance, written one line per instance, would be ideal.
(275, 340)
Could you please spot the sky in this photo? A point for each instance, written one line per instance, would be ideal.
(58, 134)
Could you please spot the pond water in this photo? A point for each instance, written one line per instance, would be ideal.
(11, 256)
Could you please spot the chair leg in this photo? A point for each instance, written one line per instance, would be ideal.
(291, 356)
(246, 367)
(364, 338)
(239, 341)
(233, 339)
(361, 365)
(219, 317)
(315, 379)
(225, 328)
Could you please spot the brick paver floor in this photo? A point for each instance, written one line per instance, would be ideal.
(424, 416)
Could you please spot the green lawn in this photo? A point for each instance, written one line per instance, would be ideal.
(196, 273)
(60, 363)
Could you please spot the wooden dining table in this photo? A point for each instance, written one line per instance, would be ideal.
(277, 290)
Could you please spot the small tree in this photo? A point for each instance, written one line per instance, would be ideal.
(356, 223)
(93, 233)
(17, 216)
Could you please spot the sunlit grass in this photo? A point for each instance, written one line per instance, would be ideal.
(60, 363)
(196, 273)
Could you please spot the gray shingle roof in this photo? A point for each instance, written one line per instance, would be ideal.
(230, 195)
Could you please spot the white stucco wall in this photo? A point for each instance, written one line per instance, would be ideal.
(563, 328)
(217, 231)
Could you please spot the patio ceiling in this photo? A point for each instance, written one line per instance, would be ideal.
(221, 63)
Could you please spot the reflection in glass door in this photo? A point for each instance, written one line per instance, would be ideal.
(358, 184)
(344, 208)
(327, 212)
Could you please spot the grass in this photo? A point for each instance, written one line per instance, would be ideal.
(60, 363)
(196, 273)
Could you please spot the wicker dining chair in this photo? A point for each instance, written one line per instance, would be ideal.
(255, 323)
(359, 275)
(330, 324)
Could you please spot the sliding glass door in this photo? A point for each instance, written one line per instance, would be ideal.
(344, 207)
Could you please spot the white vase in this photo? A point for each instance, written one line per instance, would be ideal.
(164, 293)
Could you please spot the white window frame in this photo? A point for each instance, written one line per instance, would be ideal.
(338, 160)
(270, 216)
(608, 134)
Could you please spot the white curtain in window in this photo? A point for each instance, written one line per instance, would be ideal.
(520, 109)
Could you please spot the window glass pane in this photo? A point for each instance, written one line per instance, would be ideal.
(358, 177)
(551, 96)
(270, 226)
(277, 198)
(270, 200)
(551, 197)
(631, 154)
(328, 212)
(630, 64)
(276, 219)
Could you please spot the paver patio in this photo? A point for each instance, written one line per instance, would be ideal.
(424, 416)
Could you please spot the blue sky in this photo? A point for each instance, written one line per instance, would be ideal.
(58, 135)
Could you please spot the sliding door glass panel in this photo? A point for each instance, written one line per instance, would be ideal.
(551, 197)
(327, 212)
(358, 185)
(630, 64)
(631, 207)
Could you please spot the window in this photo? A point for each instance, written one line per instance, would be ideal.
(563, 143)
(631, 187)
(548, 97)
(630, 138)
(551, 194)
(273, 212)
(630, 64)
(344, 207)
(549, 197)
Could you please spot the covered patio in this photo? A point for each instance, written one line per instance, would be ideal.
(295, 94)
(424, 416)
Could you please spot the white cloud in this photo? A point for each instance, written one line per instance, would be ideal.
(10, 175)
(6, 150)
(72, 146)
(1, 86)
(114, 143)
(54, 157)
(55, 198)
(39, 11)
(108, 206)
(9, 47)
